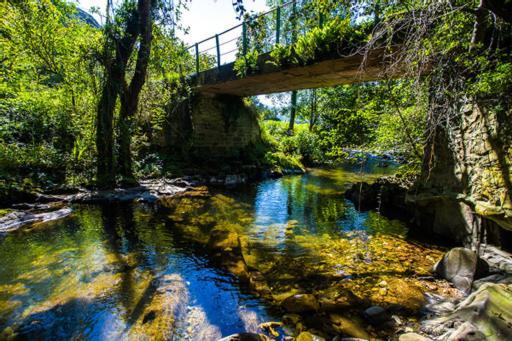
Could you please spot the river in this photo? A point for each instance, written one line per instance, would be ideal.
(135, 270)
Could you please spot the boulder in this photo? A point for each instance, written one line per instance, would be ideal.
(300, 303)
(412, 337)
(223, 239)
(461, 266)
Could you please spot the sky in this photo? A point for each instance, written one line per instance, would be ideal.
(204, 17)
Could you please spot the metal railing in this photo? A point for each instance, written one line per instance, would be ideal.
(280, 25)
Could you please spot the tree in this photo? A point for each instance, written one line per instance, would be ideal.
(48, 92)
(132, 22)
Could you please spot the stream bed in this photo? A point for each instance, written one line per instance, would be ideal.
(132, 271)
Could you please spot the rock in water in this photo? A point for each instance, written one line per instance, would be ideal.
(154, 317)
(348, 326)
(307, 336)
(461, 266)
(300, 303)
(376, 315)
(223, 239)
(15, 220)
(467, 332)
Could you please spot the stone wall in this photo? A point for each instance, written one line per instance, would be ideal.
(213, 128)
(466, 189)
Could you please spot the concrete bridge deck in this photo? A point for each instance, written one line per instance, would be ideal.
(330, 71)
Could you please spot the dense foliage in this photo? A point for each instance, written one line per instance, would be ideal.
(47, 91)
(57, 65)
(382, 117)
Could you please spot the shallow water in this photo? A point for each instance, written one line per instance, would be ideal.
(129, 271)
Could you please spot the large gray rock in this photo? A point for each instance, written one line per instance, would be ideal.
(461, 266)
(15, 220)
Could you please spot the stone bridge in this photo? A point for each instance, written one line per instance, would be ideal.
(217, 122)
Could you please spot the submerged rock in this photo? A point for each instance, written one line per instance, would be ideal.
(461, 266)
(300, 303)
(348, 326)
(15, 220)
(166, 298)
(307, 336)
(223, 239)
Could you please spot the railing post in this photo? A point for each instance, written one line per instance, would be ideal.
(197, 57)
(218, 50)
(244, 38)
(278, 23)
(294, 21)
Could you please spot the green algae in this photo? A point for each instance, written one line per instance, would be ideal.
(5, 211)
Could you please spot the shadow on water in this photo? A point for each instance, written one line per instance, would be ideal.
(132, 271)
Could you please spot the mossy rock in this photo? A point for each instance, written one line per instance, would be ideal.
(301, 303)
(348, 326)
(221, 239)
(307, 336)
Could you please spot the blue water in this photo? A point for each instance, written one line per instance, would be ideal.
(95, 274)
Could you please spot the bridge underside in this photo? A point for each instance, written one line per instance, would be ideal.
(269, 78)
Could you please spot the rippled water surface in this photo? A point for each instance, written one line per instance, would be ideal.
(128, 271)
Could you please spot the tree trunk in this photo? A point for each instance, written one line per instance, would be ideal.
(105, 176)
(314, 107)
(293, 112)
(115, 84)
(130, 94)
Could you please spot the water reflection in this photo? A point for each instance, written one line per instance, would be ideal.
(114, 272)
(314, 203)
(130, 271)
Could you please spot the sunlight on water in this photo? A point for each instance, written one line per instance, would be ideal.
(131, 271)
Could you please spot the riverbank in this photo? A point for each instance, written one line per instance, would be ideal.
(483, 277)
(53, 203)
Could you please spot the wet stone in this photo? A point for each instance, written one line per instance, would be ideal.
(376, 315)
(307, 336)
(348, 326)
(300, 303)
